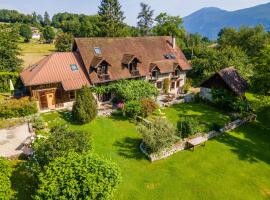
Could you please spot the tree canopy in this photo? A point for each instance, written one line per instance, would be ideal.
(78, 176)
(48, 34)
(9, 49)
(63, 42)
(25, 32)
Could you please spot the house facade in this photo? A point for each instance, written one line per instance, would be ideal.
(53, 81)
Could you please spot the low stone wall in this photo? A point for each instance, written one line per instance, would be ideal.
(182, 145)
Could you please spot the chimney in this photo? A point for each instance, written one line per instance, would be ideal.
(173, 41)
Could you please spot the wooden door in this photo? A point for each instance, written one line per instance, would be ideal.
(50, 100)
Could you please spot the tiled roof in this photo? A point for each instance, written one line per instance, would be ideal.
(56, 68)
(119, 51)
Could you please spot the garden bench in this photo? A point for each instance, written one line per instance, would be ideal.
(196, 141)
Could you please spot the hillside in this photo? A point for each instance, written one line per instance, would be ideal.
(209, 21)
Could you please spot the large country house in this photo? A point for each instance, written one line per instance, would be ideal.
(53, 81)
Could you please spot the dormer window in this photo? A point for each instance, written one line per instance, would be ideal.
(102, 68)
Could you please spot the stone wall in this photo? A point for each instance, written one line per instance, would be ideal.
(182, 145)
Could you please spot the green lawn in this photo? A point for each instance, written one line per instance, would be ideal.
(233, 166)
(205, 114)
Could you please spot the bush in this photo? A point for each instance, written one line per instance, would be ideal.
(17, 108)
(158, 135)
(5, 183)
(38, 123)
(85, 107)
(188, 126)
(216, 127)
(132, 109)
(148, 107)
(78, 176)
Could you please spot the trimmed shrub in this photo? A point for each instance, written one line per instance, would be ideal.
(5, 183)
(148, 107)
(132, 109)
(188, 126)
(17, 108)
(78, 176)
(38, 123)
(158, 135)
(85, 107)
(166, 85)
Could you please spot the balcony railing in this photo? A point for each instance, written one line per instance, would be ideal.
(104, 77)
(135, 73)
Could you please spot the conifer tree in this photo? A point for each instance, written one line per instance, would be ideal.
(112, 18)
(146, 20)
(47, 21)
(85, 107)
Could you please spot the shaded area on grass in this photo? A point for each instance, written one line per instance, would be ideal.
(129, 148)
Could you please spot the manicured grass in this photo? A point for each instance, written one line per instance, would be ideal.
(206, 115)
(34, 51)
(233, 166)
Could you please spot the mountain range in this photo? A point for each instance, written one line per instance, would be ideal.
(209, 21)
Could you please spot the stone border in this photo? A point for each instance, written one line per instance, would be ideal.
(182, 145)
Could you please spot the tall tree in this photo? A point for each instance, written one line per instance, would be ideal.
(40, 19)
(47, 20)
(25, 32)
(34, 18)
(48, 34)
(9, 49)
(112, 18)
(146, 20)
(63, 42)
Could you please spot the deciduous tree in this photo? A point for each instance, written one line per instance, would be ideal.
(63, 42)
(25, 32)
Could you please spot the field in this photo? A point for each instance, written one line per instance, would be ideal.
(235, 165)
(34, 51)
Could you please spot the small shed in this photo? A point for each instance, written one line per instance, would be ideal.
(228, 79)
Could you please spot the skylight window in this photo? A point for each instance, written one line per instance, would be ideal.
(169, 56)
(74, 67)
(97, 50)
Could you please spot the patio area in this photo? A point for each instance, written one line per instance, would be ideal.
(14, 141)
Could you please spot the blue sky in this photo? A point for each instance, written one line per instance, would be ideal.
(130, 7)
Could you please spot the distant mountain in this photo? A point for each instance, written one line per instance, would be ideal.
(209, 21)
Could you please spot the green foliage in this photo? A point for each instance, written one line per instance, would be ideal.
(5, 78)
(63, 42)
(249, 39)
(85, 107)
(166, 85)
(111, 18)
(46, 19)
(12, 16)
(48, 33)
(25, 32)
(38, 123)
(9, 49)
(59, 142)
(14, 108)
(207, 61)
(78, 176)
(128, 90)
(132, 109)
(169, 25)
(146, 20)
(148, 107)
(158, 135)
(5, 183)
(226, 100)
(187, 85)
(77, 25)
(188, 126)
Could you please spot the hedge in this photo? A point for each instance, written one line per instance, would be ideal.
(4, 80)
(14, 108)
